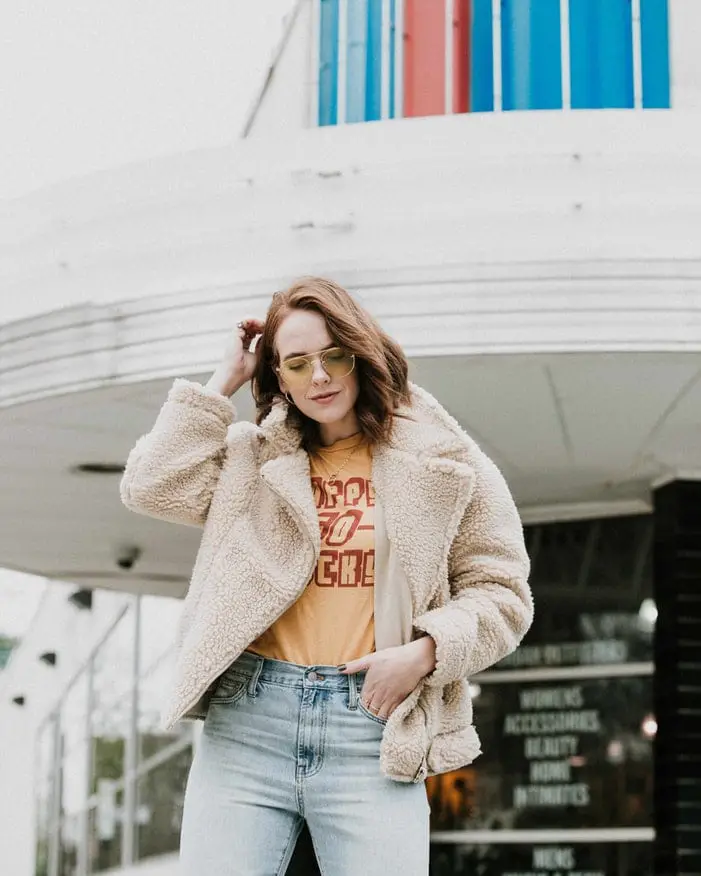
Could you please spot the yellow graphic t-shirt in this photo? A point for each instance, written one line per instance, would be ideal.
(333, 620)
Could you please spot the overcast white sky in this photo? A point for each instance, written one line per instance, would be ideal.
(93, 84)
(19, 599)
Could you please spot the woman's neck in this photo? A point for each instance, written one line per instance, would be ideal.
(330, 433)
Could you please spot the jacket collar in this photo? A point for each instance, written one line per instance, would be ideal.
(422, 478)
(423, 428)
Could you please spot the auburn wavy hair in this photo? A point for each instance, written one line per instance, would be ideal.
(380, 364)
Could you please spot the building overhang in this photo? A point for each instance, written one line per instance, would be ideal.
(541, 270)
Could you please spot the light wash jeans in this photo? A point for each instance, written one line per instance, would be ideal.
(283, 743)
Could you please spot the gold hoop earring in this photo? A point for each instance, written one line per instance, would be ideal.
(289, 400)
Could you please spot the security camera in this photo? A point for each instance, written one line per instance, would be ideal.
(127, 556)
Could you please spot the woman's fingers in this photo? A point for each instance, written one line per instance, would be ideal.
(376, 702)
(382, 710)
(248, 330)
(252, 326)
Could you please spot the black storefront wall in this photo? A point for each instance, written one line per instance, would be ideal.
(677, 687)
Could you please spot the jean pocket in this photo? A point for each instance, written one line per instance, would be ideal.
(368, 714)
(229, 690)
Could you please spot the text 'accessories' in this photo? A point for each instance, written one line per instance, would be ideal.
(298, 370)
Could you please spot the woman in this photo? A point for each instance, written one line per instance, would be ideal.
(360, 558)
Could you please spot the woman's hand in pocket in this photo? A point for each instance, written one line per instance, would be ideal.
(392, 674)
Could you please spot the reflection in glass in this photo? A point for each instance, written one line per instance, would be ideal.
(556, 755)
(44, 795)
(105, 828)
(74, 750)
(160, 799)
(593, 859)
(111, 718)
(611, 556)
(563, 634)
(70, 841)
(157, 630)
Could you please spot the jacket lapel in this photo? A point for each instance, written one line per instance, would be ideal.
(421, 479)
(289, 477)
(424, 501)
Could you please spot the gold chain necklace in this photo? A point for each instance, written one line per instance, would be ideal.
(332, 478)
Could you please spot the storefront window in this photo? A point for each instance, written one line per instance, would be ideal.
(557, 859)
(566, 722)
(161, 794)
(563, 755)
(44, 794)
(572, 635)
(104, 828)
(111, 726)
(607, 559)
(590, 579)
(74, 749)
(157, 626)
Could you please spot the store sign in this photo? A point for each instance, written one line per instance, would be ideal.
(551, 722)
(561, 859)
(602, 651)
(556, 861)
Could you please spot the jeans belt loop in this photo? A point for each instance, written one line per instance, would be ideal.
(352, 693)
(253, 683)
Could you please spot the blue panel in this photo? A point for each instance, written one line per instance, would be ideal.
(481, 57)
(531, 51)
(654, 18)
(373, 65)
(601, 53)
(356, 52)
(328, 62)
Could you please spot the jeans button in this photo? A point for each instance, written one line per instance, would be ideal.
(313, 676)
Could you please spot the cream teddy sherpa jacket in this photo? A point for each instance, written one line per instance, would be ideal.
(449, 520)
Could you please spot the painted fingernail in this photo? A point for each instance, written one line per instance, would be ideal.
(342, 667)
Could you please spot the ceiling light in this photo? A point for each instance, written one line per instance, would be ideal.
(19, 700)
(647, 613)
(48, 657)
(649, 727)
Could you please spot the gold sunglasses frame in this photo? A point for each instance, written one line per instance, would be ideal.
(311, 358)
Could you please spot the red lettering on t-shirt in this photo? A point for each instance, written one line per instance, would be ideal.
(353, 491)
(326, 574)
(343, 527)
(334, 492)
(351, 568)
(369, 569)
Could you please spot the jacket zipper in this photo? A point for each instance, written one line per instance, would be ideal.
(422, 771)
(303, 530)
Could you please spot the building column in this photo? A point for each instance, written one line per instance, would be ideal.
(677, 687)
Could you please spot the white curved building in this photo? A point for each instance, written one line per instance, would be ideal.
(530, 235)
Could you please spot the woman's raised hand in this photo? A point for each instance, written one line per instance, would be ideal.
(236, 367)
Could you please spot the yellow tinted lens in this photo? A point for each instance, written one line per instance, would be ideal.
(296, 371)
(337, 363)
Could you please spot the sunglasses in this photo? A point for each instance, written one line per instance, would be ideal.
(298, 371)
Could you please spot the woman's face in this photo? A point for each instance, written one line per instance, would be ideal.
(318, 396)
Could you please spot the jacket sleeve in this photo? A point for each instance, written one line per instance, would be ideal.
(491, 608)
(172, 471)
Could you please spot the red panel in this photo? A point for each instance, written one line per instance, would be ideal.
(424, 57)
(461, 56)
